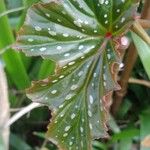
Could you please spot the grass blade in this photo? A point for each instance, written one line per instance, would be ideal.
(12, 59)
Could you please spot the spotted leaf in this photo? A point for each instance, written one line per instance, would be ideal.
(77, 94)
(80, 36)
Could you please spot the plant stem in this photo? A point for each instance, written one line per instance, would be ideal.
(44, 144)
(138, 29)
(16, 109)
(11, 11)
(146, 10)
(144, 23)
(129, 62)
(140, 82)
(4, 107)
(22, 113)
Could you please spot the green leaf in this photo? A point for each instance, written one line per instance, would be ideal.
(125, 144)
(79, 36)
(16, 143)
(78, 98)
(99, 146)
(124, 139)
(125, 107)
(145, 130)
(39, 134)
(144, 52)
(128, 133)
(47, 68)
(11, 58)
(113, 125)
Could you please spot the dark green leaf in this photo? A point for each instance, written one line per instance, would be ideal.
(16, 143)
(79, 35)
(125, 107)
(81, 101)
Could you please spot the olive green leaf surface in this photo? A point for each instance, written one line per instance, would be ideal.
(79, 36)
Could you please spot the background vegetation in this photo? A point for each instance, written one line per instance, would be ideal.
(130, 130)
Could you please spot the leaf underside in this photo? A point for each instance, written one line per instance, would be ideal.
(73, 33)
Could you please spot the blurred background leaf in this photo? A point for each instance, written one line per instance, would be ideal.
(16, 143)
(145, 130)
(144, 52)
